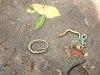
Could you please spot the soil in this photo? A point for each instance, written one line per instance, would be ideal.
(17, 30)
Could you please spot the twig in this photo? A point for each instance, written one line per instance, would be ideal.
(86, 22)
(60, 73)
(69, 30)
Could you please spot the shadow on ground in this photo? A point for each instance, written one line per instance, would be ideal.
(17, 29)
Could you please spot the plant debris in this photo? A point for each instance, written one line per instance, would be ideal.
(78, 47)
(73, 31)
(77, 53)
(28, 25)
(1, 43)
(86, 22)
(70, 30)
(40, 22)
(30, 11)
(45, 11)
(79, 43)
(40, 50)
(92, 67)
(84, 66)
(22, 61)
(49, 11)
(31, 66)
(82, 40)
(82, 71)
(13, 50)
(60, 72)
(68, 51)
(14, 73)
(6, 64)
(74, 66)
(86, 54)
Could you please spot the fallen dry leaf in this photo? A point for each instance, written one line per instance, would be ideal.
(31, 66)
(49, 11)
(68, 51)
(77, 53)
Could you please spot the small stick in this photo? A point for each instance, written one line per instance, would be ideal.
(86, 22)
(69, 30)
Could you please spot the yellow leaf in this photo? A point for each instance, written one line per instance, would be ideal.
(49, 11)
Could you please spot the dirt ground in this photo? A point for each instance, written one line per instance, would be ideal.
(17, 29)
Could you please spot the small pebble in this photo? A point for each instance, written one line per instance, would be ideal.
(92, 67)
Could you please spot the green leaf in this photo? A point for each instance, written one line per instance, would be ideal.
(30, 11)
(40, 22)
